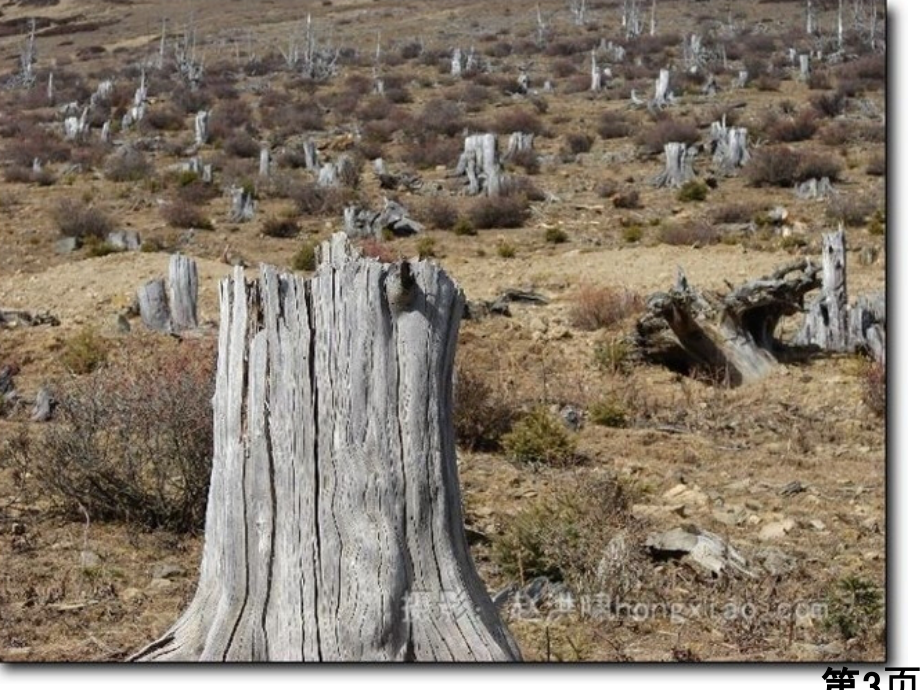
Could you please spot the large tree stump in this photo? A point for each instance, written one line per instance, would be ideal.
(334, 529)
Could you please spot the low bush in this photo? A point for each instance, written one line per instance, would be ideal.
(579, 142)
(613, 125)
(666, 131)
(609, 412)
(565, 535)
(305, 258)
(181, 214)
(283, 227)
(595, 307)
(691, 233)
(132, 441)
(693, 190)
(482, 414)
(128, 165)
(539, 437)
(440, 213)
(849, 210)
(555, 235)
(77, 219)
(84, 352)
(499, 212)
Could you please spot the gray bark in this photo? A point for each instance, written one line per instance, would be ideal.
(334, 528)
(310, 156)
(481, 165)
(729, 146)
(825, 322)
(43, 408)
(201, 127)
(519, 142)
(154, 307)
(678, 165)
(242, 205)
(814, 189)
(730, 338)
(361, 223)
(183, 293)
(663, 95)
(265, 161)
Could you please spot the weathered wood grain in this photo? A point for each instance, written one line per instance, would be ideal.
(334, 526)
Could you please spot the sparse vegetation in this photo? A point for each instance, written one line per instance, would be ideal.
(596, 307)
(77, 219)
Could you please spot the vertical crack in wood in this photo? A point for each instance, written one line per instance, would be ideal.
(317, 531)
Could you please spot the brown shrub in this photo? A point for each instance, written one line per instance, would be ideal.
(313, 200)
(482, 415)
(76, 219)
(128, 165)
(440, 213)
(242, 145)
(579, 142)
(165, 117)
(499, 212)
(698, 233)
(595, 307)
(30, 142)
(517, 120)
(431, 151)
(800, 127)
(740, 212)
(376, 249)
(666, 131)
(613, 125)
(849, 210)
(133, 441)
(828, 104)
(181, 214)
(280, 227)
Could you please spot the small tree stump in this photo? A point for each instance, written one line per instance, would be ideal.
(481, 164)
(334, 528)
(678, 165)
(183, 293)
(154, 307)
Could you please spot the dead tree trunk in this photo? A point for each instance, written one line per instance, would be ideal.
(242, 205)
(183, 293)
(153, 305)
(729, 147)
(728, 338)
(678, 166)
(201, 127)
(825, 322)
(334, 529)
(480, 163)
(175, 309)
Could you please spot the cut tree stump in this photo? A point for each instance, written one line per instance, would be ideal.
(174, 309)
(334, 529)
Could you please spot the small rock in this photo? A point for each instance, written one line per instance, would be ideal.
(682, 493)
(776, 530)
(159, 584)
(89, 559)
(731, 515)
(817, 525)
(125, 240)
(792, 488)
(122, 325)
(166, 571)
(131, 594)
(776, 562)
(18, 529)
(67, 245)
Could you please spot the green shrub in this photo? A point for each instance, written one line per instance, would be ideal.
(505, 249)
(84, 352)
(693, 190)
(632, 233)
(556, 235)
(426, 247)
(539, 437)
(464, 228)
(611, 355)
(305, 258)
(564, 536)
(854, 605)
(609, 412)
